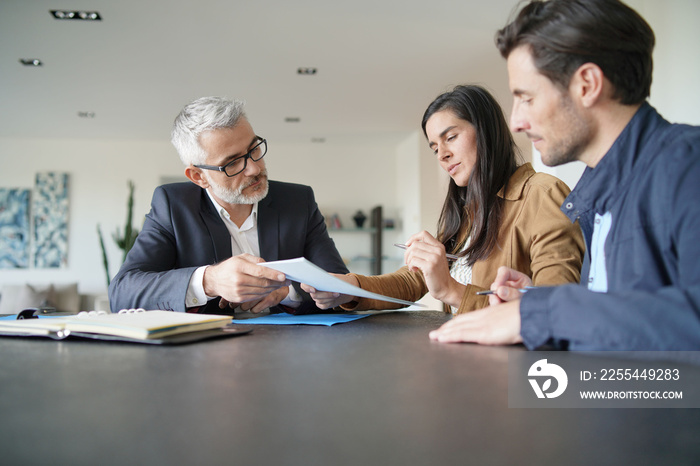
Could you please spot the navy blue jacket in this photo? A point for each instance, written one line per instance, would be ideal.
(650, 182)
(183, 231)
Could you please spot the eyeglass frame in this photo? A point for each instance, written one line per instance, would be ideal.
(245, 158)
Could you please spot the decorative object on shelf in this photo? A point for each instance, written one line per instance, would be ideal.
(50, 218)
(359, 219)
(389, 223)
(335, 222)
(374, 230)
(126, 241)
(14, 225)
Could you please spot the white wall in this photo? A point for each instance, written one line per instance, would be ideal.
(421, 185)
(674, 91)
(348, 174)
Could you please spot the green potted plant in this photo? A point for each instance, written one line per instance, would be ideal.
(125, 241)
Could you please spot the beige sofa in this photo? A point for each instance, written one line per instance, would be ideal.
(63, 297)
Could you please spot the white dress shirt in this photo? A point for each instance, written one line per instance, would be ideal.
(244, 240)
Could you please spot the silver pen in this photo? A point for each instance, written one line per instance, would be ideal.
(487, 292)
(449, 256)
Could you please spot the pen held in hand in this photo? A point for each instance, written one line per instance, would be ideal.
(449, 256)
(488, 292)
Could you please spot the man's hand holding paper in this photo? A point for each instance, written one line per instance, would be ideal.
(240, 279)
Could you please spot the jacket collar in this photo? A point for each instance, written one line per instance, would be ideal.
(600, 187)
(220, 237)
(516, 184)
(268, 225)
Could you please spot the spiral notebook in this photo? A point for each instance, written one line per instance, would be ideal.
(133, 325)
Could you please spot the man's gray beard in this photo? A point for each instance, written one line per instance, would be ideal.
(236, 196)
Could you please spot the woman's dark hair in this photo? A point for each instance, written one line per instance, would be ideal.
(565, 34)
(474, 211)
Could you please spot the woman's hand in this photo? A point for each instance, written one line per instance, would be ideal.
(507, 284)
(327, 299)
(427, 254)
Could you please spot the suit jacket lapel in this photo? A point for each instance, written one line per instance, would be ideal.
(268, 230)
(220, 237)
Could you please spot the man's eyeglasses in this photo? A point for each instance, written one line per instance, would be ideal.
(237, 165)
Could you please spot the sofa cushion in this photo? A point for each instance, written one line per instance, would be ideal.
(15, 298)
(66, 298)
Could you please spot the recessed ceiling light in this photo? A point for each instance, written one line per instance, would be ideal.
(307, 71)
(31, 61)
(79, 15)
(292, 119)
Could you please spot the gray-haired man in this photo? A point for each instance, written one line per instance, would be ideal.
(202, 241)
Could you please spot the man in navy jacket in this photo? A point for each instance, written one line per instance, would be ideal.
(580, 73)
(201, 243)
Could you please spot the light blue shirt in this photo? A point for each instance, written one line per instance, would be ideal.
(598, 275)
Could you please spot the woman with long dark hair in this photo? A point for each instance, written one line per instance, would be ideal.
(496, 213)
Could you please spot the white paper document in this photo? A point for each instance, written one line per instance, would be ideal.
(303, 271)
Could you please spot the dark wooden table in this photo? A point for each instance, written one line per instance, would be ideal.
(371, 392)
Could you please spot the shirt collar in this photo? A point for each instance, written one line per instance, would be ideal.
(249, 223)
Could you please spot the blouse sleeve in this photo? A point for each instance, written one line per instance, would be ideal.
(402, 284)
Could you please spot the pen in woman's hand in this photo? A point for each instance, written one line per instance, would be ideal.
(487, 292)
(449, 256)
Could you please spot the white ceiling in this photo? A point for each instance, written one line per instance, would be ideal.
(380, 62)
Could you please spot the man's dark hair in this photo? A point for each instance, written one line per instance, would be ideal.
(564, 34)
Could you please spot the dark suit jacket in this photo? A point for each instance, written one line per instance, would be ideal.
(183, 231)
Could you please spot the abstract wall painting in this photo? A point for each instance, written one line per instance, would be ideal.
(50, 220)
(14, 228)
